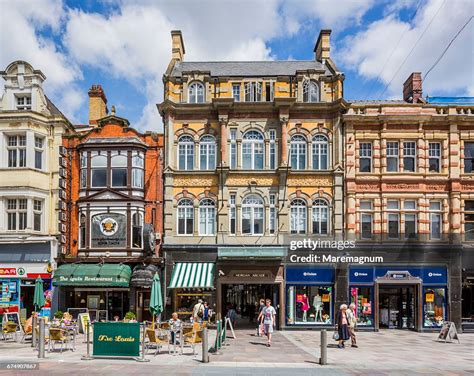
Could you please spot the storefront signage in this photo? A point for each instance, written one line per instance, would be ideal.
(430, 275)
(7, 272)
(116, 339)
(308, 275)
(109, 231)
(252, 275)
(86, 278)
(29, 270)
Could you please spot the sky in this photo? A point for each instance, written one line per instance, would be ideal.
(125, 45)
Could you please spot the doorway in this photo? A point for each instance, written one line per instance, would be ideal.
(397, 307)
(244, 298)
(143, 305)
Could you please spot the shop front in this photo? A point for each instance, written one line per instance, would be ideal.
(468, 289)
(309, 296)
(140, 286)
(102, 289)
(396, 297)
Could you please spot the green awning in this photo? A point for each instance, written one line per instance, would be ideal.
(251, 252)
(192, 275)
(117, 275)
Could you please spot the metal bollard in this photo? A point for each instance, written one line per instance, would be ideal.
(219, 334)
(41, 339)
(33, 333)
(142, 358)
(205, 345)
(88, 355)
(323, 360)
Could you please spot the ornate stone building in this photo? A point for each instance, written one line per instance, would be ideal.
(253, 160)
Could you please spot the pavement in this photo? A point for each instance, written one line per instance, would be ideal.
(389, 352)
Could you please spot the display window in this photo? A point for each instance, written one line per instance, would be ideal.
(185, 301)
(362, 298)
(10, 295)
(308, 304)
(434, 306)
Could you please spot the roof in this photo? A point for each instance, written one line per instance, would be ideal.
(450, 100)
(382, 101)
(248, 68)
(115, 140)
(52, 108)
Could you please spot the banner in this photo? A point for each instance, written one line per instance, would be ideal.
(116, 339)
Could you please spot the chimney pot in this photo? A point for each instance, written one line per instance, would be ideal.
(97, 104)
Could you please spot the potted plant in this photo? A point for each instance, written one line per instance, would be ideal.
(58, 315)
(130, 317)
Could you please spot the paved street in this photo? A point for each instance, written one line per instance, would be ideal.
(383, 353)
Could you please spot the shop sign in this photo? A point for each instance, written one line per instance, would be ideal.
(116, 339)
(309, 275)
(252, 275)
(109, 231)
(361, 275)
(429, 275)
(7, 272)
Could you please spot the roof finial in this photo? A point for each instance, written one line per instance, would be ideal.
(113, 110)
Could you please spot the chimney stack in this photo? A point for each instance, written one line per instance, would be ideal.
(177, 51)
(97, 104)
(413, 88)
(322, 47)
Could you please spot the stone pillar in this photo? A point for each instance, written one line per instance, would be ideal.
(223, 137)
(284, 141)
(351, 215)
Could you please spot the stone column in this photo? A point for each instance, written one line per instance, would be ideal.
(223, 136)
(284, 141)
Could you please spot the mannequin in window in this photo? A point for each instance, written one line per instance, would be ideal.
(305, 307)
(318, 306)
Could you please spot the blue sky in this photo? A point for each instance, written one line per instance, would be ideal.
(125, 45)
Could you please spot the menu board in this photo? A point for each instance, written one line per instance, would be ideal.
(84, 321)
(75, 312)
(12, 317)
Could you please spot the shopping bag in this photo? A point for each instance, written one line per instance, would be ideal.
(335, 335)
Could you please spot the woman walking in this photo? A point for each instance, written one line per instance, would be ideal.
(342, 325)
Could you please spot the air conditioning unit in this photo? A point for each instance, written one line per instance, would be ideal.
(62, 151)
(62, 172)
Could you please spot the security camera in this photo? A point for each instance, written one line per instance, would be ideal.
(221, 273)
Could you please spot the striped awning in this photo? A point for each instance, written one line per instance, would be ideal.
(192, 275)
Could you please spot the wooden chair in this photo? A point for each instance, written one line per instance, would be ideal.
(27, 331)
(10, 330)
(58, 335)
(156, 341)
(194, 340)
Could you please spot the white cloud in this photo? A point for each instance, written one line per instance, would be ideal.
(368, 50)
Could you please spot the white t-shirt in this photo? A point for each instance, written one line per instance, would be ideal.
(268, 313)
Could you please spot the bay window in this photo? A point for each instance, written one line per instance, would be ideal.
(17, 214)
(138, 164)
(98, 169)
(37, 214)
(119, 169)
(16, 148)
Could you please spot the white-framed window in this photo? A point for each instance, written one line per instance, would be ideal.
(252, 215)
(409, 207)
(320, 220)
(137, 230)
(236, 92)
(196, 92)
(298, 152)
(207, 217)
(253, 92)
(233, 148)
(83, 172)
(207, 153)
(469, 220)
(269, 91)
(16, 147)
(119, 167)
(392, 156)
(253, 148)
(393, 208)
(232, 215)
(434, 152)
(82, 231)
(320, 152)
(273, 149)
(17, 214)
(409, 156)
(186, 153)
(436, 220)
(23, 102)
(98, 169)
(366, 219)
(298, 216)
(138, 165)
(310, 91)
(365, 156)
(39, 148)
(37, 215)
(272, 225)
(469, 157)
(185, 217)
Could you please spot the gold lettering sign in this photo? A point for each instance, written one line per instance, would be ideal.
(105, 338)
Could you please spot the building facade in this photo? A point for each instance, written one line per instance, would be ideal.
(31, 131)
(114, 207)
(253, 160)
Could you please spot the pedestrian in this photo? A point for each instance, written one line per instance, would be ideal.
(268, 315)
(206, 311)
(232, 315)
(260, 321)
(175, 327)
(351, 314)
(342, 325)
(198, 311)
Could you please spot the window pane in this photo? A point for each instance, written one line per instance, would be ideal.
(366, 226)
(392, 204)
(409, 164)
(119, 177)
(37, 222)
(410, 225)
(99, 178)
(365, 165)
(12, 158)
(434, 165)
(137, 178)
(393, 229)
(38, 159)
(435, 226)
(21, 221)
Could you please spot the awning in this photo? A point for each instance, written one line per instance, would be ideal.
(192, 275)
(251, 252)
(142, 276)
(117, 275)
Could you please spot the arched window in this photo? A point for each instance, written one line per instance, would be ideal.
(196, 93)
(252, 215)
(252, 151)
(207, 217)
(119, 168)
(320, 217)
(186, 153)
(207, 153)
(298, 152)
(320, 152)
(310, 91)
(185, 217)
(137, 230)
(98, 169)
(298, 216)
(82, 231)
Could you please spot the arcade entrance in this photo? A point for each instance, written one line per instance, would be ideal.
(397, 308)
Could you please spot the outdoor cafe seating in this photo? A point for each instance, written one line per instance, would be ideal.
(157, 340)
(57, 335)
(9, 330)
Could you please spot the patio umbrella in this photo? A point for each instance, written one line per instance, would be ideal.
(38, 297)
(156, 300)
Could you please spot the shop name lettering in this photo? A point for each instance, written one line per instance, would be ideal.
(312, 258)
(85, 279)
(250, 275)
(105, 338)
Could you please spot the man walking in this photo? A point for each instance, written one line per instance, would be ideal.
(198, 311)
(268, 313)
(352, 324)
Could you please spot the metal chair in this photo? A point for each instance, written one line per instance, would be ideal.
(194, 340)
(10, 329)
(58, 335)
(156, 341)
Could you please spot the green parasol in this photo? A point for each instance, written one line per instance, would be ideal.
(156, 300)
(38, 298)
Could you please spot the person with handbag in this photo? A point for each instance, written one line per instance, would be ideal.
(342, 326)
(352, 324)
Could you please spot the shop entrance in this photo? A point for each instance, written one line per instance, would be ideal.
(397, 307)
(244, 298)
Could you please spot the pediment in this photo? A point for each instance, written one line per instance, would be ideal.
(106, 195)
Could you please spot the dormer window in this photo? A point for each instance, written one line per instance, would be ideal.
(310, 92)
(196, 93)
(23, 102)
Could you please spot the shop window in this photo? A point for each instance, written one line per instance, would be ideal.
(434, 151)
(252, 215)
(273, 152)
(196, 93)
(320, 220)
(186, 153)
(469, 157)
(298, 152)
(362, 298)
(409, 156)
(207, 217)
(98, 169)
(137, 230)
(310, 305)
(298, 216)
(434, 307)
(320, 152)
(207, 153)
(469, 220)
(392, 156)
(185, 217)
(365, 157)
(236, 92)
(119, 169)
(233, 148)
(16, 147)
(253, 151)
(310, 91)
(435, 220)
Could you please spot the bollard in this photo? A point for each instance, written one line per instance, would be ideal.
(323, 360)
(205, 345)
(142, 358)
(88, 355)
(33, 334)
(219, 334)
(41, 339)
